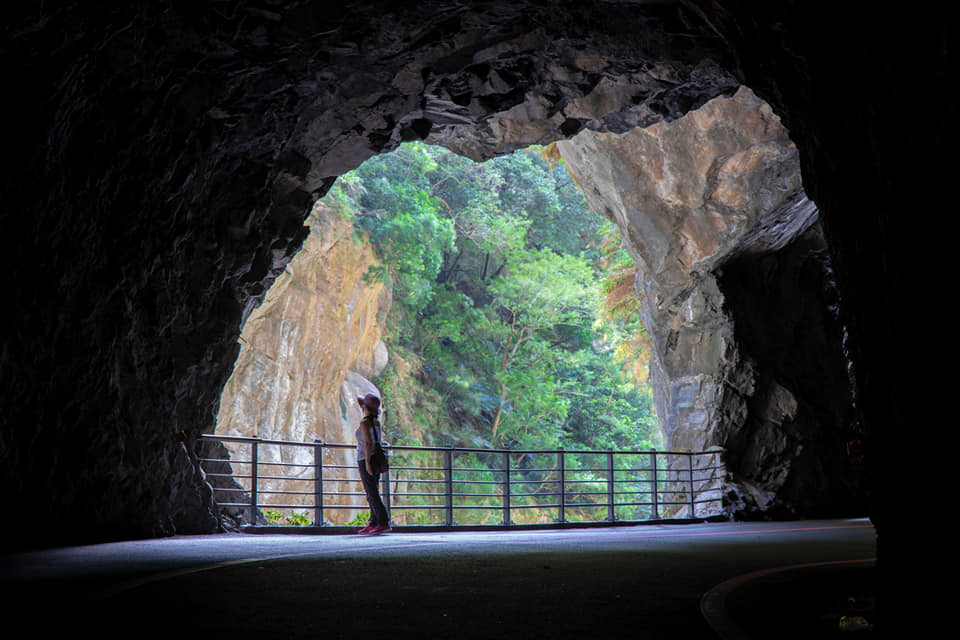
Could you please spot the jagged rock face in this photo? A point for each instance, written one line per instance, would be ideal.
(735, 284)
(320, 321)
(307, 353)
(163, 159)
(168, 155)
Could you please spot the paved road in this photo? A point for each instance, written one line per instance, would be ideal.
(648, 581)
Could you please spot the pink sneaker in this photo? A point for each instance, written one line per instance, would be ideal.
(380, 528)
(366, 529)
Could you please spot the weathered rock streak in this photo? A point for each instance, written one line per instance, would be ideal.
(306, 353)
(692, 197)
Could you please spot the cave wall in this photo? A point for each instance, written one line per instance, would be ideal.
(870, 98)
(738, 298)
(167, 155)
(162, 157)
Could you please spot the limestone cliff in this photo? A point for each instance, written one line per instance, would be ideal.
(307, 352)
(713, 211)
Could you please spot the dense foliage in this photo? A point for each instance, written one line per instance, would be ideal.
(501, 278)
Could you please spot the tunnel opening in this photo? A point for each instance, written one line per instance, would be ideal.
(170, 156)
(722, 209)
(484, 302)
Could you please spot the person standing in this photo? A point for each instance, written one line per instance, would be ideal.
(369, 433)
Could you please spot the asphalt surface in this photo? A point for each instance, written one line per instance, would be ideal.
(717, 580)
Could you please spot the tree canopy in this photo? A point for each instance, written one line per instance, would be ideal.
(511, 326)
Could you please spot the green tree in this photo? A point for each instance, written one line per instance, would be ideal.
(412, 245)
(514, 324)
(540, 293)
(401, 217)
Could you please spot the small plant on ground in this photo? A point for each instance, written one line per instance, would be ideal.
(297, 520)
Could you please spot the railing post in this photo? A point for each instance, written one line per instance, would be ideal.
(386, 489)
(656, 505)
(561, 472)
(610, 511)
(318, 482)
(506, 489)
(449, 491)
(693, 505)
(254, 452)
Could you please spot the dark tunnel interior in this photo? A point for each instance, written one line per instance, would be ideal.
(161, 158)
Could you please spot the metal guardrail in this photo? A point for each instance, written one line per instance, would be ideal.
(451, 486)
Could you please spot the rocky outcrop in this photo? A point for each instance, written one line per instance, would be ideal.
(166, 157)
(712, 209)
(162, 157)
(306, 353)
(322, 319)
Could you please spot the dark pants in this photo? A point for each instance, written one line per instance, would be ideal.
(371, 485)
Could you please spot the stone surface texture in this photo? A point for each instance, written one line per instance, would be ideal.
(168, 155)
(306, 354)
(712, 209)
(161, 158)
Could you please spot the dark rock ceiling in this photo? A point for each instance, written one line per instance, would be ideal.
(160, 158)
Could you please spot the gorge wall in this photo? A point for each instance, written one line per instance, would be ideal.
(713, 211)
(306, 353)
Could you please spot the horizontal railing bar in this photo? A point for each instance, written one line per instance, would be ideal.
(286, 493)
(500, 508)
(420, 495)
(302, 507)
(491, 495)
(535, 506)
(340, 445)
(289, 507)
(288, 465)
(514, 494)
(260, 463)
(459, 481)
(340, 506)
(662, 480)
(418, 507)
